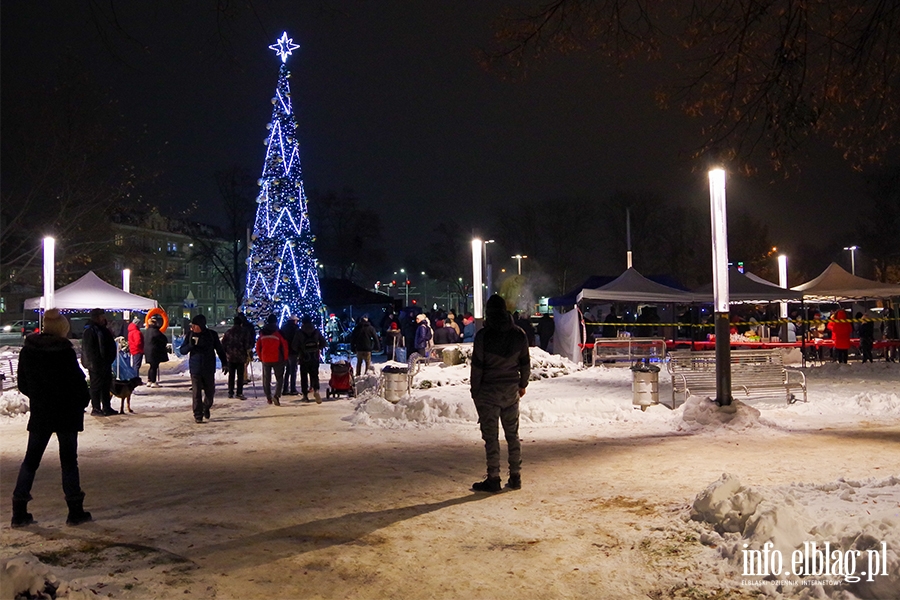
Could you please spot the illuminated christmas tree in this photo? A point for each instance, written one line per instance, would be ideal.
(281, 267)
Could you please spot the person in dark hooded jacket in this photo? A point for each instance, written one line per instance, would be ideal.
(48, 373)
(237, 346)
(308, 345)
(501, 366)
(363, 341)
(155, 350)
(98, 352)
(203, 345)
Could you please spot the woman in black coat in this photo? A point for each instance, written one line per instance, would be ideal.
(155, 350)
(49, 375)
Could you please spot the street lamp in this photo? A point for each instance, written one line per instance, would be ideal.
(126, 287)
(720, 285)
(783, 282)
(852, 250)
(519, 258)
(49, 273)
(488, 270)
(424, 289)
(477, 292)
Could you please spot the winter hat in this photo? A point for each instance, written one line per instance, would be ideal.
(295, 318)
(306, 319)
(55, 323)
(439, 323)
(394, 327)
(272, 319)
(96, 313)
(137, 320)
(495, 303)
(199, 320)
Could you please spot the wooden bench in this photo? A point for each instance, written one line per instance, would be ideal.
(753, 372)
(627, 349)
(8, 366)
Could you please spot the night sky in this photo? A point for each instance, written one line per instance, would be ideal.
(391, 102)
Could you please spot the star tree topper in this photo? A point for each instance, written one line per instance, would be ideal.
(284, 47)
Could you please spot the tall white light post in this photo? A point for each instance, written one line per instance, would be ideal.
(477, 292)
(519, 258)
(489, 270)
(852, 250)
(720, 285)
(628, 237)
(49, 275)
(126, 287)
(783, 282)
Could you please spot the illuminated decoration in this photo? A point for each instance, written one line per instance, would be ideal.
(281, 274)
(284, 47)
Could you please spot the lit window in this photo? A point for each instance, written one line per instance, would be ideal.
(120, 239)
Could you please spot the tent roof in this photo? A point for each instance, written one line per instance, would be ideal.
(835, 283)
(343, 292)
(591, 283)
(759, 279)
(631, 286)
(742, 288)
(92, 292)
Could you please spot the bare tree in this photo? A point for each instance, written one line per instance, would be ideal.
(348, 237)
(764, 75)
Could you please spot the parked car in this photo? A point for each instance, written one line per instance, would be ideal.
(22, 328)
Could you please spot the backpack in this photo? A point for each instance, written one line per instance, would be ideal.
(309, 346)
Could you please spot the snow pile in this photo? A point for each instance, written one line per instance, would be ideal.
(545, 365)
(26, 576)
(411, 411)
(858, 520)
(701, 414)
(13, 403)
(876, 404)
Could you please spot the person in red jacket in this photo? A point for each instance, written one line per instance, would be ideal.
(136, 344)
(840, 334)
(272, 350)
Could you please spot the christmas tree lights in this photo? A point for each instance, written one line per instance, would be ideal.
(281, 268)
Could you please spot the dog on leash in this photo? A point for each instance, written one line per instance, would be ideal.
(123, 390)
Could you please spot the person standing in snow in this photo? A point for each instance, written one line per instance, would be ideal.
(237, 346)
(501, 366)
(203, 345)
(866, 337)
(364, 341)
(272, 350)
(156, 349)
(136, 344)
(468, 328)
(288, 332)
(840, 333)
(48, 373)
(98, 352)
(423, 336)
(308, 344)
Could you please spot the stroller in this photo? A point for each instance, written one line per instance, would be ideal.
(341, 381)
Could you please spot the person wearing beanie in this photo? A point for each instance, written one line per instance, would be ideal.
(308, 344)
(237, 346)
(423, 336)
(501, 366)
(363, 341)
(272, 350)
(203, 346)
(289, 331)
(136, 344)
(98, 352)
(48, 373)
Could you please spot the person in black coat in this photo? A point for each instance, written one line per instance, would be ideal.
(98, 352)
(308, 345)
(155, 350)
(203, 345)
(501, 366)
(49, 375)
(289, 331)
(363, 341)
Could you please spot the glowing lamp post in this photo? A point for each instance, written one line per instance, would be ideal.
(49, 272)
(720, 285)
(477, 292)
(852, 250)
(519, 258)
(126, 287)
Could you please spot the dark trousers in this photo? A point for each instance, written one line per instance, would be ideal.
(267, 370)
(290, 374)
(490, 416)
(68, 460)
(865, 348)
(136, 361)
(309, 377)
(203, 389)
(841, 355)
(101, 382)
(153, 372)
(236, 368)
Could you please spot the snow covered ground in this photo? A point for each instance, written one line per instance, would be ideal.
(361, 498)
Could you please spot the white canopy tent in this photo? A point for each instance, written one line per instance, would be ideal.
(837, 284)
(631, 286)
(92, 292)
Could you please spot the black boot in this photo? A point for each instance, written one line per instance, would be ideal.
(515, 481)
(77, 514)
(490, 484)
(21, 517)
